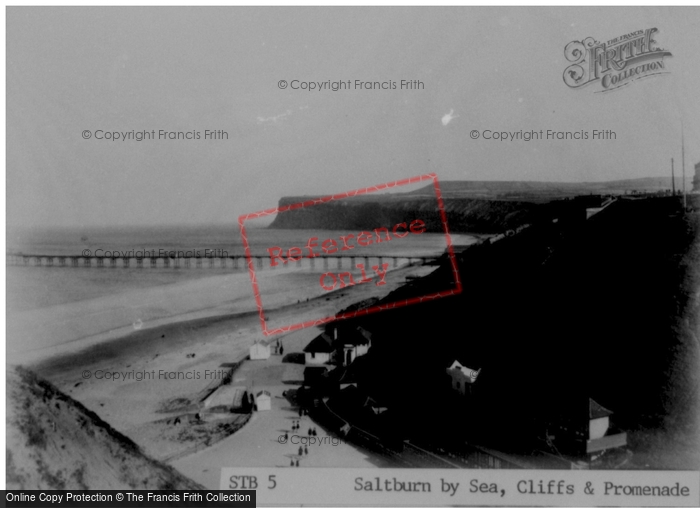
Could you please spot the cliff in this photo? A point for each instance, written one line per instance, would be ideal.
(471, 207)
(463, 215)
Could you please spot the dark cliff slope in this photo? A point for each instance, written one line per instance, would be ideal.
(605, 308)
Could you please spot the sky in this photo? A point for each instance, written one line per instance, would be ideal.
(107, 69)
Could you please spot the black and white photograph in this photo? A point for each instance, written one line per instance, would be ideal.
(317, 255)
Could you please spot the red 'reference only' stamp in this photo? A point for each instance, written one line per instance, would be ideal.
(335, 246)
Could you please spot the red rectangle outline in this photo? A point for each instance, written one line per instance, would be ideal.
(371, 310)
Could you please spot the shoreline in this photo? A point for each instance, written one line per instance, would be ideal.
(91, 349)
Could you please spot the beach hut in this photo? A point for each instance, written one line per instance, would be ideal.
(259, 351)
(263, 400)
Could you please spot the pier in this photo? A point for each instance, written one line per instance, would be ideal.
(226, 262)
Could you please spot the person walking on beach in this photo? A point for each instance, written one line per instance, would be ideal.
(286, 437)
(306, 450)
(301, 451)
(297, 462)
(310, 432)
(291, 462)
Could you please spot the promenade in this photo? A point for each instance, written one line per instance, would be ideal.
(258, 444)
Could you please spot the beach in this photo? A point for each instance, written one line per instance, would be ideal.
(179, 360)
(151, 351)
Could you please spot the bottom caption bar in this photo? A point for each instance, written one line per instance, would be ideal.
(128, 498)
(464, 487)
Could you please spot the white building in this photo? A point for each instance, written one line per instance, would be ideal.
(583, 427)
(462, 377)
(599, 420)
(259, 351)
(319, 351)
(354, 343)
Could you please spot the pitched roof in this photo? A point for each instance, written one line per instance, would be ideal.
(357, 336)
(470, 374)
(263, 392)
(580, 408)
(595, 410)
(321, 344)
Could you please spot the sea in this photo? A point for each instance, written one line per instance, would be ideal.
(58, 304)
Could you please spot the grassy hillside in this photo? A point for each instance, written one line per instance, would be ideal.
(54, 442)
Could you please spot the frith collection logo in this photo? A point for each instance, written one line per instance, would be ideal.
(615, 63)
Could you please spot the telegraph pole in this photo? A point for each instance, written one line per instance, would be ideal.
(685, 204)
(673, 179)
